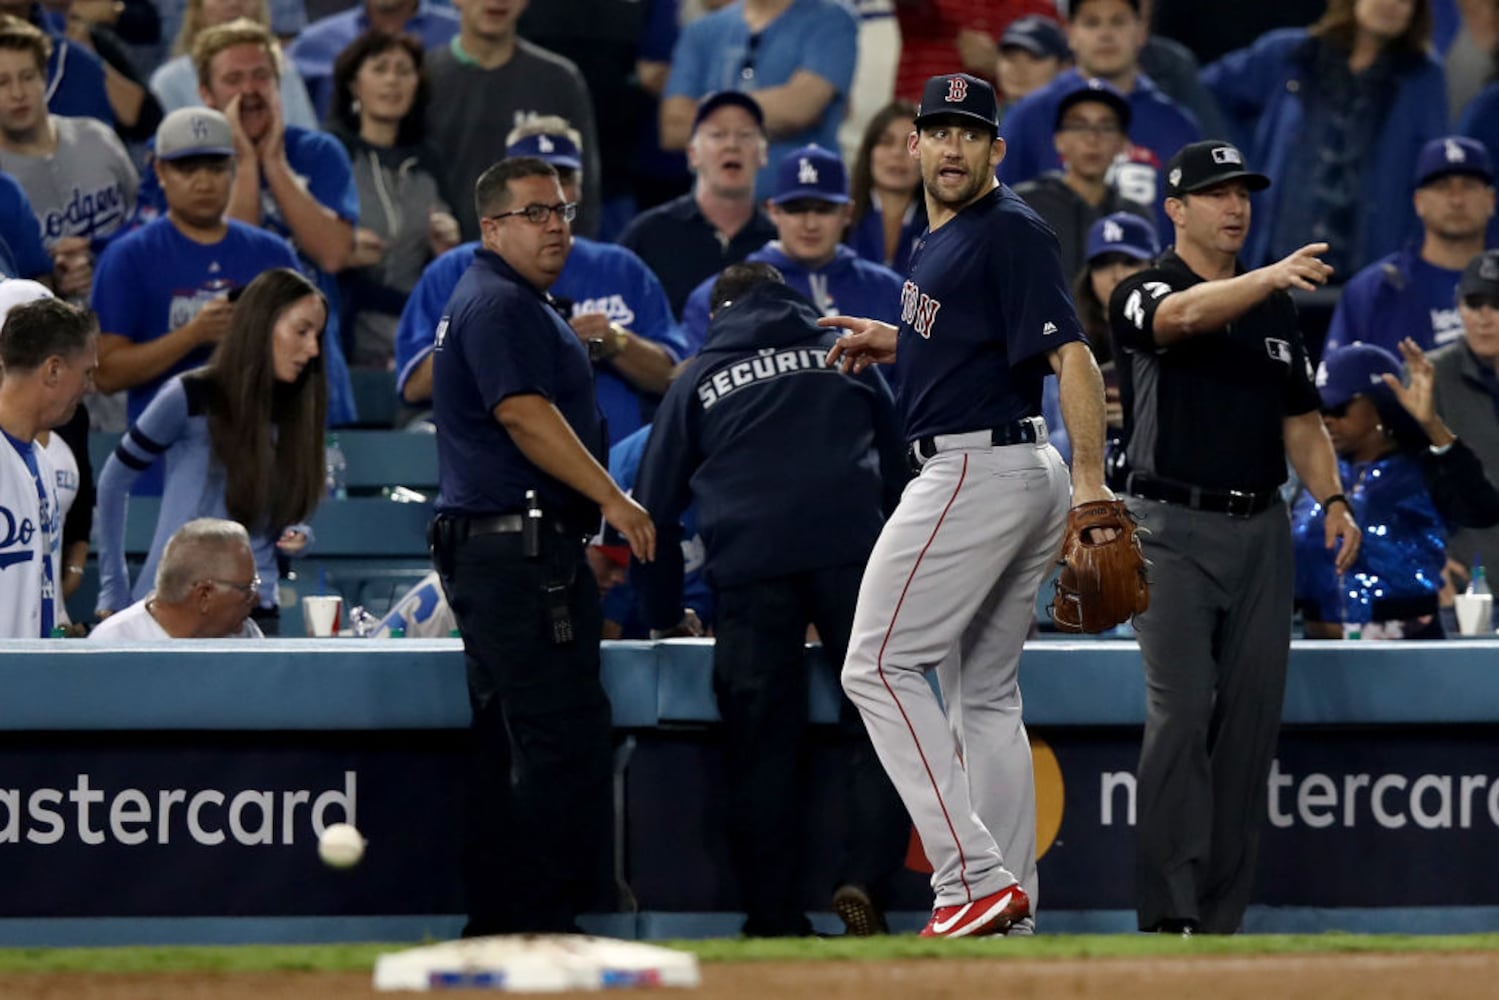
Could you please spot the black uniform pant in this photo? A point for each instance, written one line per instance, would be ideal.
(760, 680)
(1216, 642)
(539, 810)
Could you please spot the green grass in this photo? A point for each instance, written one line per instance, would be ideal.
(361, 957)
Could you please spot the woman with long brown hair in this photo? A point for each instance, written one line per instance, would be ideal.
(885, 189)
(242, 438)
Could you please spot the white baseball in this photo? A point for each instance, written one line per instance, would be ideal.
(340, 846)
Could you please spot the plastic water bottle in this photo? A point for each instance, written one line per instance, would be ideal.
(1478, 583)
(337, 469)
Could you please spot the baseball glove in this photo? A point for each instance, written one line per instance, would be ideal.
(1102, 582)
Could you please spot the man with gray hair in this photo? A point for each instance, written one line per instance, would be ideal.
(206, 587)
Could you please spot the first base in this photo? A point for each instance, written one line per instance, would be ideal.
(535, 963)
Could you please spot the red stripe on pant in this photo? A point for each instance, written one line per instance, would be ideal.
(880, 666)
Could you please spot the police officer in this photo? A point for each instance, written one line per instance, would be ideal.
(785, 547)
(1218, 392)
(520, 486)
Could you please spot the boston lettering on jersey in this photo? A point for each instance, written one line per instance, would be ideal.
(918, 309)
(769, 365)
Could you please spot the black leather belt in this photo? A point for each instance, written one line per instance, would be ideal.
(1025, 431)
(505, 524)
(1235, 503)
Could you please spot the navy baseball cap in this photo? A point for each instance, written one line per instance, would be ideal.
(1354, 370)
(1040, 36)
(1455, 154)
(1480, 277)
(1199, 165)
(1099, 91)
(958, 95)
(811, 173)
(723, 98)
(1123, 233)
(554, 148)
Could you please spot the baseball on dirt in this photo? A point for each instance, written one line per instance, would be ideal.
(340, 846)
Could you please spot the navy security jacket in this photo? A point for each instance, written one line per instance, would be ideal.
(793, 465)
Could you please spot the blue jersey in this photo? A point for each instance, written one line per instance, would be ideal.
(598, 277)
(19, 233)
(500, 337)
(152, 281)
(1158, 128)
(985, 302)
(321, 166)
(847, 283)
(1397, 297)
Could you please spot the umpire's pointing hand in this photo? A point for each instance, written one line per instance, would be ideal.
(631, 520)
(866, 342)
(1301, 269)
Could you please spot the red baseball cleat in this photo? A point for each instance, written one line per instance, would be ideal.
(991, 915)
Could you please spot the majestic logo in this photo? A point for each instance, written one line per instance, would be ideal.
(1454, 152)
(1279, 350)
(1049, 329)
(918, 309)
(806, 173)
(1113, 232)
(957, 90)
(545, 145)
(1227, 154)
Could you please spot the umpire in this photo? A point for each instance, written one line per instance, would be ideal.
(520, 486)
(793, 467)
(1218, 393)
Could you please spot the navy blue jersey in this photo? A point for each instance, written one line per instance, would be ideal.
(501, 337)
(984, 303)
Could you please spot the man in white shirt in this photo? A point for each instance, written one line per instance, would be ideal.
(206, 587)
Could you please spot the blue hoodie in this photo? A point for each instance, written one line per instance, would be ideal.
(792, 465)
(846, 284)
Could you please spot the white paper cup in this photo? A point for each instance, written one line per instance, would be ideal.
(1474, 612)
(321, 614)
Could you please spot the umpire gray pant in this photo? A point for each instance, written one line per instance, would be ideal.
(1215, 643)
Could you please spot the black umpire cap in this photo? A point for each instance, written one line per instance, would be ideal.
(1201, 165)
(958, 95)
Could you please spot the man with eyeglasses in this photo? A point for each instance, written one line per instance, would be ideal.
(1092, 131)
(1467, 393)
(810, 210)
(689, 239)
(206, 587)
(1107, 37)
(521, 484)
(1218, 393)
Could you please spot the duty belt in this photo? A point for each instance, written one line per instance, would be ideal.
(1027, 431)
(1235, 503)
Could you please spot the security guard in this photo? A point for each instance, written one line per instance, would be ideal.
(1218, 393)
(521, 485)
(786, 547)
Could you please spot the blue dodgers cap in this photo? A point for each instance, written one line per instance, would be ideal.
(1099, 91)
(724, 98)
(1454, 154)
(554, 148)
(1354, 370)
(958, 95)
(1040, 36)
(811, 173)
(1123, 233)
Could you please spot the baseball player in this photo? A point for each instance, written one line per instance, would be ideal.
(950, 586)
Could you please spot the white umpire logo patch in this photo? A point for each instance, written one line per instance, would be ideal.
(1279, 350)
(1227, 154)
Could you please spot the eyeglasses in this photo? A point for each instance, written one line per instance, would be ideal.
(537, 215)
(247, 590)
(1105, 129)
(747, 68)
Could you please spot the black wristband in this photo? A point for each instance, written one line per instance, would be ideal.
(1337, 498)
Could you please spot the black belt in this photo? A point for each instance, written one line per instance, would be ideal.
(1024, 431)
(504, 524)
(1235, 503)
